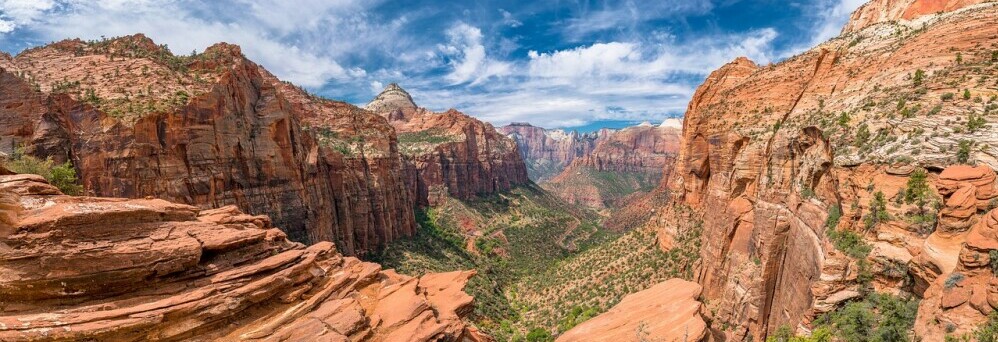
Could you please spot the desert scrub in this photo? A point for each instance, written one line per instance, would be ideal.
(62, 176)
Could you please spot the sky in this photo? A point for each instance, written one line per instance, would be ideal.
(556, 64)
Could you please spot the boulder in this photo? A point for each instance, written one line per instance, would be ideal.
(668, 311)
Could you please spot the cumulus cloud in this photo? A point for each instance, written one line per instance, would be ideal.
(598, 61)
(468, 58)
(14, 13)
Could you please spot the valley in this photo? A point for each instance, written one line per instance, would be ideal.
(846, 193)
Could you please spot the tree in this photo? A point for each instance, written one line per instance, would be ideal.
(844, 119)
(963, 152)
(919, 77)
(918, 188)
(878, 211)
(966, 94)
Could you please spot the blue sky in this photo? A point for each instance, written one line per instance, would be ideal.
(551, 63)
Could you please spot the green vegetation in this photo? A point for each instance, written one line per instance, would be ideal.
(947, 97)
(848, 242)
(519, 234)
(878, 317)
(966, 94)
(62, 176)
(329, 138)
(430, 136)
(988, 332)
(878, 211)
(975, 122)
(963, 152)
(993, 261)
(919, 77)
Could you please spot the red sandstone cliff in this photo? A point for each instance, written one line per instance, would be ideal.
(767, 153)
(450, 153)
(210, 130)
(548, 152)
(625, 162)
(109, 269)
(881, 11)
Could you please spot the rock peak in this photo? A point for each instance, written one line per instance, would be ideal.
(390, 99)
(879, 11)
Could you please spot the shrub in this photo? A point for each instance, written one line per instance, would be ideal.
(966, 94)
(875, 318)
(539, 335)
(947, 96)
(62, 176)
(963, 152)
(844, 119)
(919, 76)
(862, 135)
(878, 211)
(993, 261)
(988, 332)
(975, 122)
(918, 188)
(953, 280)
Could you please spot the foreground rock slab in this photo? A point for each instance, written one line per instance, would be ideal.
(668, 311)
(108, 269)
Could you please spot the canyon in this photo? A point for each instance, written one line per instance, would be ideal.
(847, 193)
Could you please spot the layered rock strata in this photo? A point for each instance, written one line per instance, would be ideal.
(548, 152)
(102, 269)
(778, 159)
(669, 311)
(210, 130)
(450, 153)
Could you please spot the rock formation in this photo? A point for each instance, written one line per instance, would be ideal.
(775, 158)
(548, 152)
(102, 269)
(669, 311)
(210, 130)
(623, 162)
(450, 153)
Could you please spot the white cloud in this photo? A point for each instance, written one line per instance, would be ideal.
(508, 20)
(14, 13)
(830, 17)
(468, 58)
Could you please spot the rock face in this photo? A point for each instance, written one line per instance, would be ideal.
(879, 11)
(548, 152)
(449, 153)
(102, 269)
(768, 153)
(669, 311)
(623, 163)
(209, 130)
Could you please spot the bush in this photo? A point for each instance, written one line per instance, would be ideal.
(919, 77)
(993, 261)
(879, 318)
(953, 280)
(975, 122)
(966, 94)
(947, 96)
(918, 188)
(539, 335)
(878, 211)
(62, 176)
(963, 152)
(988, 332)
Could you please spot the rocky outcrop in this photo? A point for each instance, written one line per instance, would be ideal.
(210, 130)
(669, 311)
(102, 269)
(623, 163)
(548, 152)
(879, 11)
(449, 153)
(770, 153)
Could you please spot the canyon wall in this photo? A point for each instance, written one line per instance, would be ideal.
(449, 153)
(110, 269)
(780, 160)
(624, 164)
(210, 130)
(548, 152)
